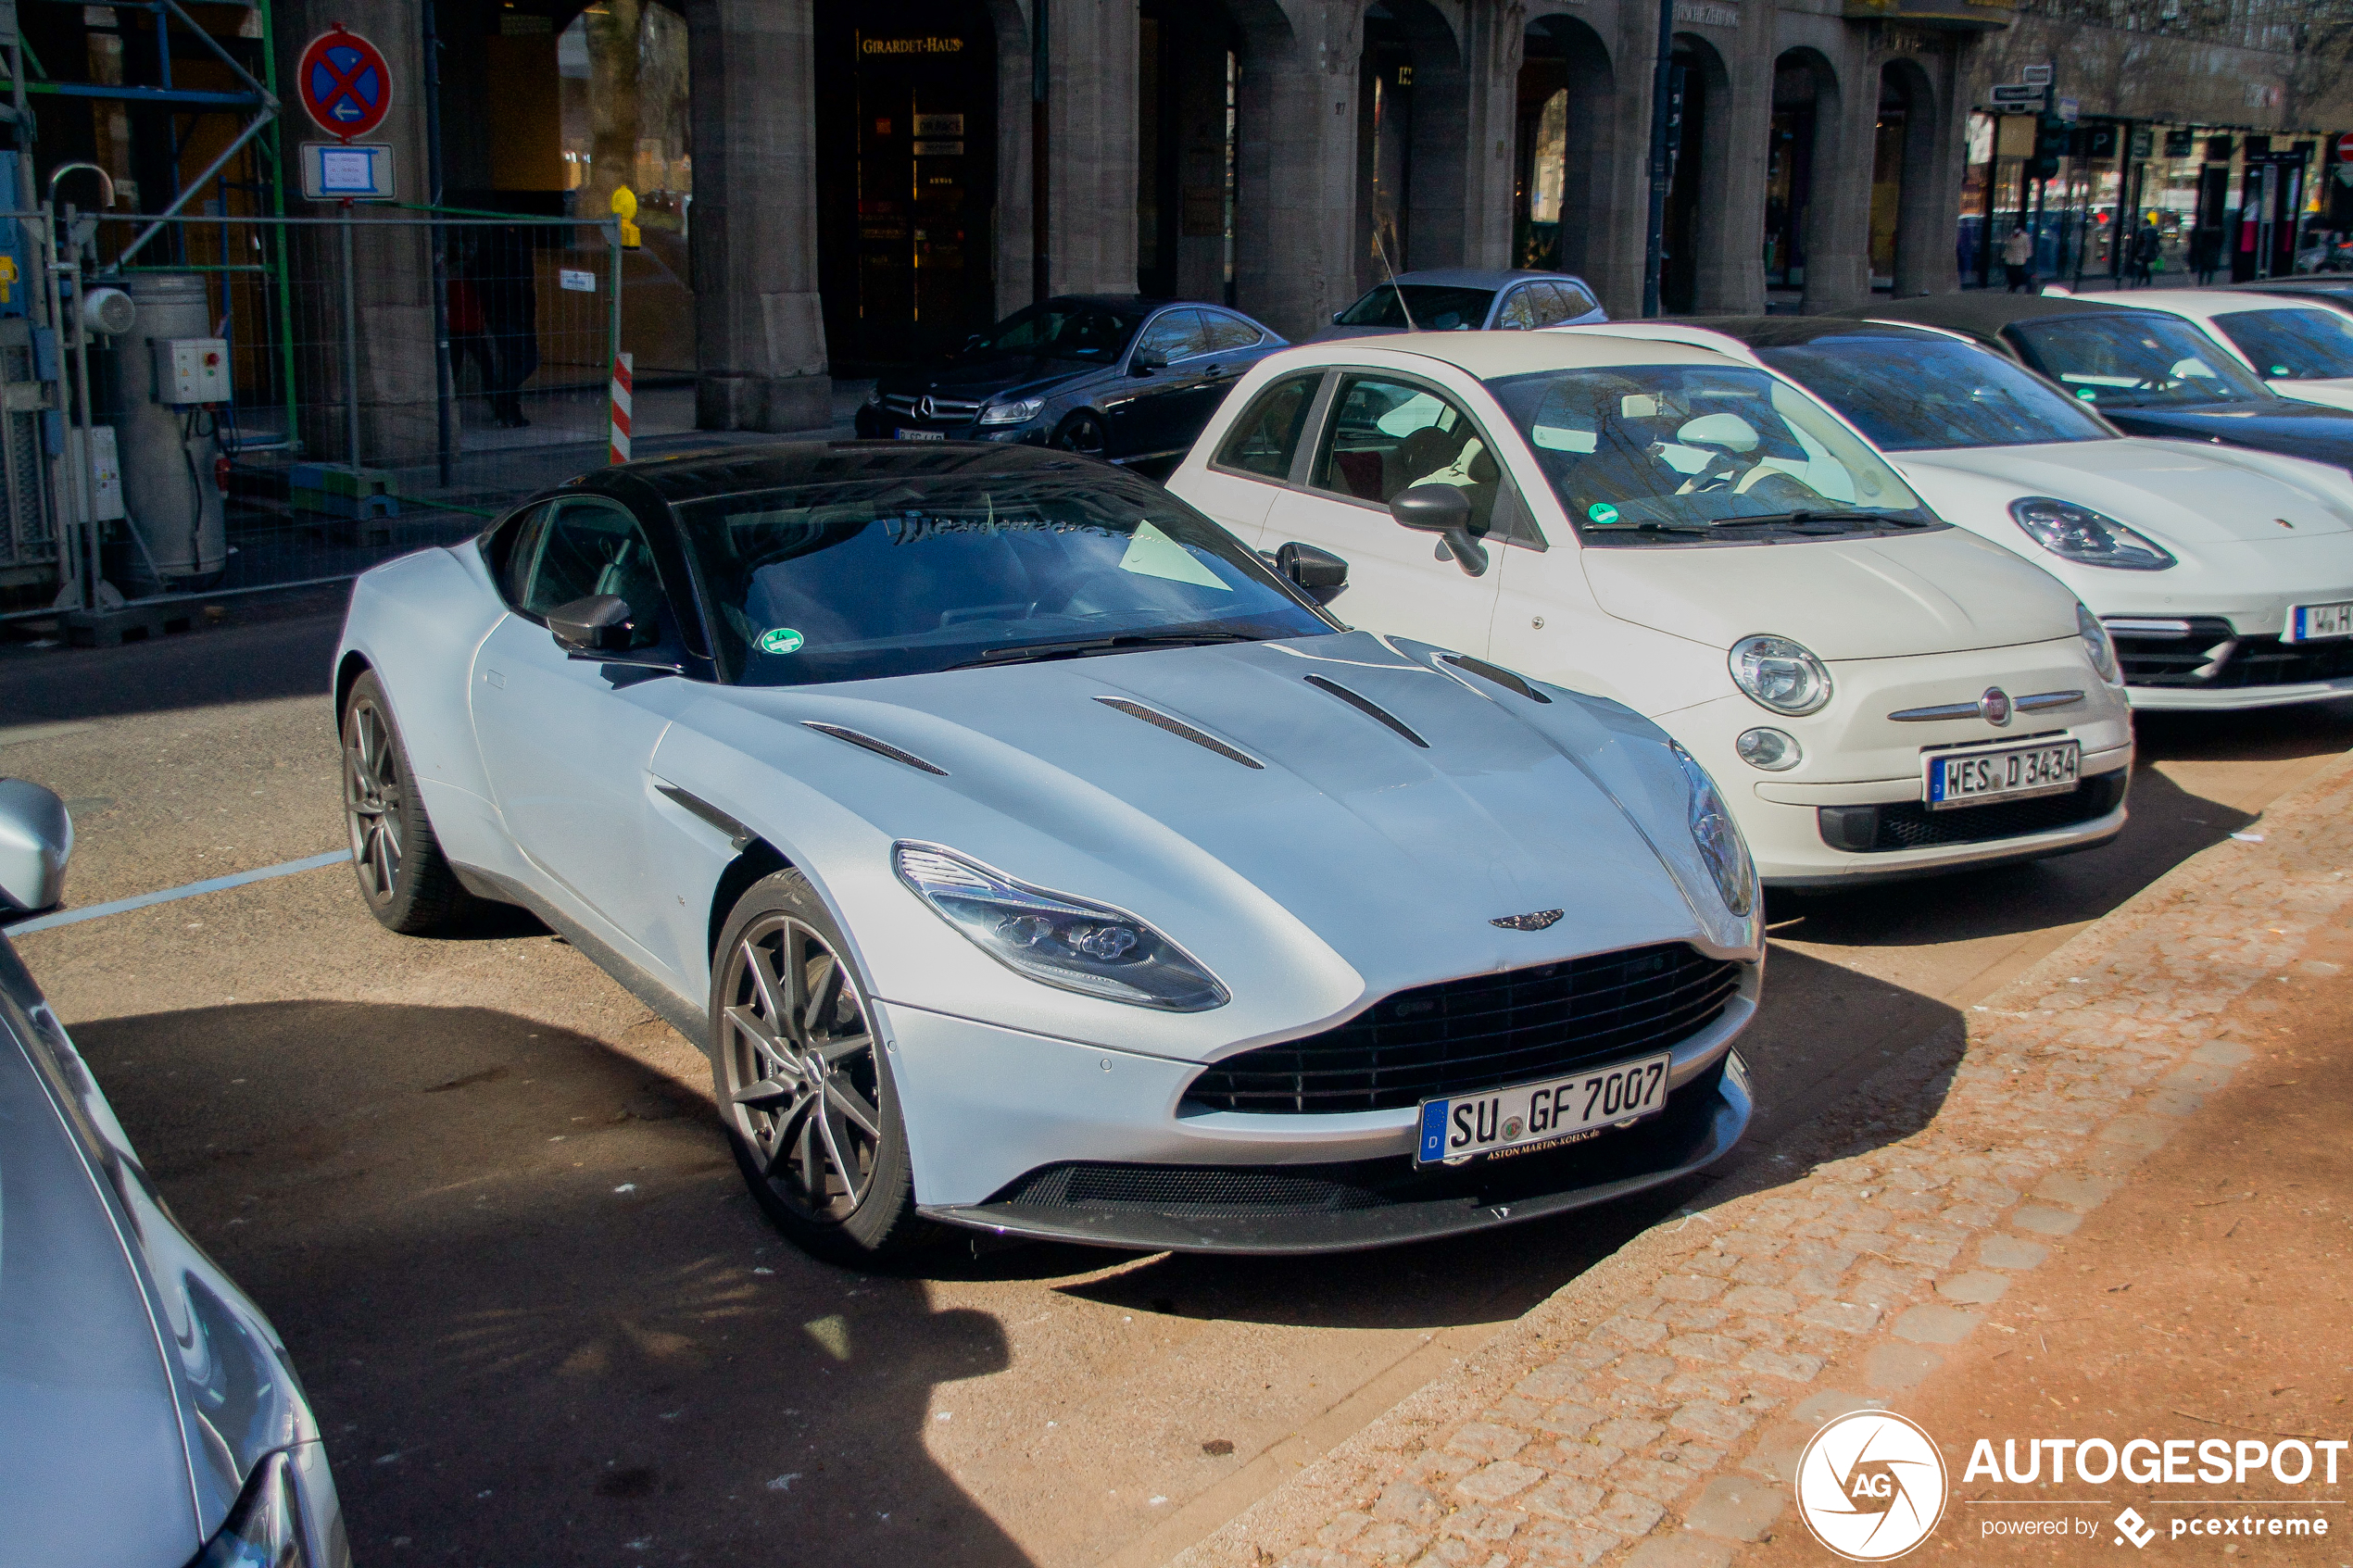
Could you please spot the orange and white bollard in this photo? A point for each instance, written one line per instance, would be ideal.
(623, 386)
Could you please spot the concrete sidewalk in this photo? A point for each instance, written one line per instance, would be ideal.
(1652, 1411)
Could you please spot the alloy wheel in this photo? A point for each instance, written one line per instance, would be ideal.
(803, 1085)
(1082, 435)
(372, 799)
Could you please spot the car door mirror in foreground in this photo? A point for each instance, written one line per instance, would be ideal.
(36, 839)
(1442, 509)
(1319, 572)
(599, 623)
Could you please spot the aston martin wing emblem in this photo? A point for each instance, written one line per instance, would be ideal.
(1536, 919)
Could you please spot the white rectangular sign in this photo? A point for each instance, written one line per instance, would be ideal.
(577, 280)
(340, 171)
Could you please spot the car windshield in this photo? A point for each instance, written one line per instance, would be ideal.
(1659, 453)
(1436, 307)
(2139, 362)
(1061, 329)
(2293, 344)
(849, 579)
(1919, 392)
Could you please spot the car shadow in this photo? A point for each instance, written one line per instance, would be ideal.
(268, 648)
(537, 1315)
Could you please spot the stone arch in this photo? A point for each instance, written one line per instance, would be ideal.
(1803, 159)
(1412, 117)
(1565, 54)
(1905, 88)
(1699, 220)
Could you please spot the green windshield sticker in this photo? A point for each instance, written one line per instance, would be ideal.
(784, 639)
(1602, 511)
(1154, 554)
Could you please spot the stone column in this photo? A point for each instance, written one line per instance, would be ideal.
(1838, 241)
(760, 339)
(393, 280)
(1294, 254)
(1494, 40)
(1928, 222)
(1092, 123)
(1738, 139)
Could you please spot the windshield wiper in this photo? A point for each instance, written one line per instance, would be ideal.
(1775, 520)
(1645, 527)
(1124, 642)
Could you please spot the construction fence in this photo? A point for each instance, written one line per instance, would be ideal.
(274, 401)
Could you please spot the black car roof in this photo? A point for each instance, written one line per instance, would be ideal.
(1985, 313)
(702, 475)
(1787, 331)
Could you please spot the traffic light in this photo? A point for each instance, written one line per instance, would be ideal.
(2051, 135)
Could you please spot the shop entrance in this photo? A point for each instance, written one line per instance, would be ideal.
(1565, 131)
(1803, 88)
(1189, 79)
(906, 177)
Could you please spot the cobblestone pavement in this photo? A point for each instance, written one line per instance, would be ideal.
(1651, 1412)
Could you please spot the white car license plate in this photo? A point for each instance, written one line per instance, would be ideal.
(2312, 624)
(1527, 1117)
(906, 435)
(1972, 778)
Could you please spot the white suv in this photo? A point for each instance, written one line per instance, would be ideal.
(1703, 540)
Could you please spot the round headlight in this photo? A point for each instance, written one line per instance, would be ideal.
(2079, 533)
(2097, 646)
(1776, 751)
(1780, 674)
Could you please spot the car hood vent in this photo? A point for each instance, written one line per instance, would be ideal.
(879, 748)
(1176, 726)
(1367, 707)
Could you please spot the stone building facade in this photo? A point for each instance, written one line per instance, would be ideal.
(865, 178)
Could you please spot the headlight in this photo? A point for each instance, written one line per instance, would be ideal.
(1012, 413)
(264, 1528)
(1718, 840)
(1056, 939)
(1773, 750)
(1780, 674)
(2097, 646)
(2079, 533)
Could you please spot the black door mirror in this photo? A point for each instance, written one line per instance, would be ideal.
(1319, 574)
(599, 623)
(1144, 362)
(1432, 509)
(1444, 510)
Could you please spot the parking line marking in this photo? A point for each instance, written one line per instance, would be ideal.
(213, 884)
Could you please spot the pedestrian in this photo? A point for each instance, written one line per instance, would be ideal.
(2018, 261)
(2148, 247)
(2206, 252)
(505, 281)
(469, 341)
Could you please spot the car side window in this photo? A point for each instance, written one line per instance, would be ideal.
(1519, 311)
(1388, 435)
(1222, 332)
(1265, 439)
(1552, 304)
(594, 546)
(1575, 301)
(1174, 335)
(516, 552)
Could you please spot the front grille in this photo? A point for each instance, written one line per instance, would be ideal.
(1463, 1035)
(1910, 825)
(2214, 658)
(944, 410)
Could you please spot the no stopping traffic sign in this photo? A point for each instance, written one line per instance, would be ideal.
(344, 83)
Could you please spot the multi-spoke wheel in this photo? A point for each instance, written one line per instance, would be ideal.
(406, 883)
(803, 1081)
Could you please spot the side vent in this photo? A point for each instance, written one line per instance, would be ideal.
(879, 748)
(1368, 707)
(1496, 674)
(1178, 727)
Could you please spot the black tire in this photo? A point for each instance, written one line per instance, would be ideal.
(1083, 433)
(811, 1108)
(404, 878)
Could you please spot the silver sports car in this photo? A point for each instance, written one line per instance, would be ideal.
(1030, 855)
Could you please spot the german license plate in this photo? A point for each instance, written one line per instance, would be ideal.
(1528, 1117)
(906, 435)
(2313, 623)
(1973, 778)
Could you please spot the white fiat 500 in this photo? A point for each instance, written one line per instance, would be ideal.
(1699, 538)
(2223, 574)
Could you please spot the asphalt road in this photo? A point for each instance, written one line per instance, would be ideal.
(481, 1192)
